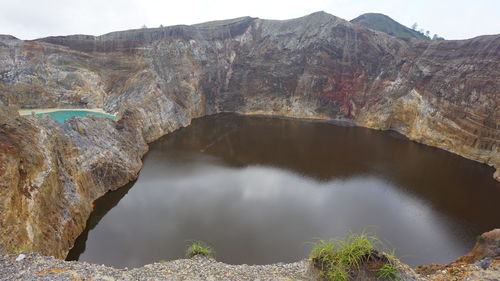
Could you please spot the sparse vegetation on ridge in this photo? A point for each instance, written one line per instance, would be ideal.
(387, 25)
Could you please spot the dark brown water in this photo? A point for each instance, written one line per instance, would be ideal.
(258, 189)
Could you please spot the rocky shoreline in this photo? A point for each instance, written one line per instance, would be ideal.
(36, 267)
(483, 263)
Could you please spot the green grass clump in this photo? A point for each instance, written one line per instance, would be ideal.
(198, 248)
(388, 271)
(336, 274)
(335, 258)
(338, 259)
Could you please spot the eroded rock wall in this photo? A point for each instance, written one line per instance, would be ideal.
(51, 174)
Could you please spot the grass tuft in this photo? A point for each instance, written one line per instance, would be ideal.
(198, 248)
(388, 271)
(338, 259)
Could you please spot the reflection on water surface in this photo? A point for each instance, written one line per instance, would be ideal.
(258, 189)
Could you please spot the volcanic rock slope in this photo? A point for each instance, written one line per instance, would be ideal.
(441, 93)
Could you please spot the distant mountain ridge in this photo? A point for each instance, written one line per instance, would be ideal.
(383, 23)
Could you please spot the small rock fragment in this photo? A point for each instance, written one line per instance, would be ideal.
(20, 257)
(484, 263)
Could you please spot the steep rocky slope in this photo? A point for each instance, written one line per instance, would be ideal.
(438, 93)
(51, 174)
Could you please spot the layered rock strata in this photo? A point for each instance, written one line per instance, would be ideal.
(441, 93)
(51, 174)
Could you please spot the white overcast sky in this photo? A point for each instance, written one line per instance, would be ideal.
(30, 19)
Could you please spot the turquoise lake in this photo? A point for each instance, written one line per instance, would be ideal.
(60, 116)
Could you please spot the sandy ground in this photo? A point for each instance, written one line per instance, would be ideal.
(25, 112)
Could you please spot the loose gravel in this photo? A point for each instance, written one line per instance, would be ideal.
(38, 267)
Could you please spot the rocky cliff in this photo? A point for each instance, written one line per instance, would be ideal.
(51, 174)
(440, 93)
